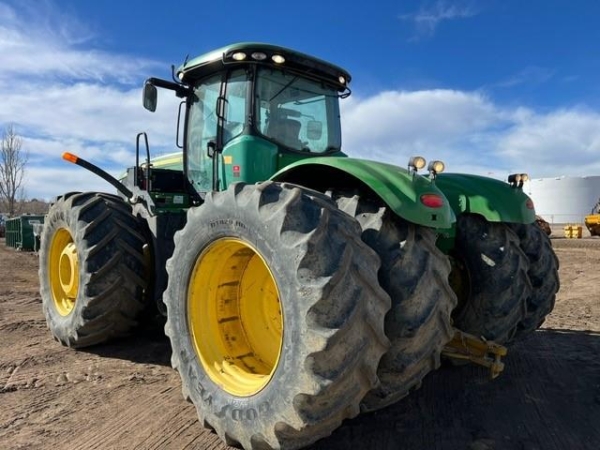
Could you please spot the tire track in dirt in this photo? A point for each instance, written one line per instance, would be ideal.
(133, 411)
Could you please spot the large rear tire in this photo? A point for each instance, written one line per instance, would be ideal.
(415, 275)
(490, 279)
(274, 314)
(543, 274)
(91, 269)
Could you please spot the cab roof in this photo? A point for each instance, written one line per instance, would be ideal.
(216, 60)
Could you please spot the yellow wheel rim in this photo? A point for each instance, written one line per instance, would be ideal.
(64, 271)
(234, 317)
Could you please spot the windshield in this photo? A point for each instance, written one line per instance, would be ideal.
(299, 113)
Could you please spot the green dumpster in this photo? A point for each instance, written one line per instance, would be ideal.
(19, 232)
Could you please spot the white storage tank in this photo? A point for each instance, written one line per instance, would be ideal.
(564, 199)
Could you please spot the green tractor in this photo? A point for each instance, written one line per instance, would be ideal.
(300, 286)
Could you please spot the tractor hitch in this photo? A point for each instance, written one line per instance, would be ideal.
(466, 347)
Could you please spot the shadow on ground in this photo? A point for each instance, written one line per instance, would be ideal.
(147, 345)
(547, 398)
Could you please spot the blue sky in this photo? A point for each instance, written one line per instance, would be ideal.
(490, 87)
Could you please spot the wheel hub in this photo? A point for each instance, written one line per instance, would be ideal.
(68, 270)
(234, 316)
(63, 271)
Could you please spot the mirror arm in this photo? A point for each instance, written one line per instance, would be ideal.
(180, 89)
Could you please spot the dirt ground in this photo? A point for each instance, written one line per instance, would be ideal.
(124, 395)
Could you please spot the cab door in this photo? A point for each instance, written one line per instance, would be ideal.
(217, 114)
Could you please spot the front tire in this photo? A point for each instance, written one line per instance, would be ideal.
(415, 275)
(490, 279)
(274, 314)
(91, 269)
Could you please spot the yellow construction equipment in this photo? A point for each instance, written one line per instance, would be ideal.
(592, 222)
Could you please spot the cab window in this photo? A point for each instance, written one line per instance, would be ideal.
(298, 113)
(202, 128)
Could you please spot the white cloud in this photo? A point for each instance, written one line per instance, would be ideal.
(427, 18)
(565, 142)
(65, 102)
(48, 182)
(85, 111)
(38, 42)
(63, 95)
(438, 124)
(472, 134)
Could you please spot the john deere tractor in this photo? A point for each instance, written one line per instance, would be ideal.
(300, 286)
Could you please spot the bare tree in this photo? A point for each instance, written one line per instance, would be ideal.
(12, 169)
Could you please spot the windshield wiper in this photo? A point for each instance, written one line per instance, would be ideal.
(283, 88)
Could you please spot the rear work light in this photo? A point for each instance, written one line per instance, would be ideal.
(416, 163)
(432, 200)
(517, 179)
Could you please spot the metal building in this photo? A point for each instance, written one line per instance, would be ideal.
(564, 199)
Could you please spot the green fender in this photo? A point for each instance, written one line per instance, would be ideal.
(493, 199)
(400, 189)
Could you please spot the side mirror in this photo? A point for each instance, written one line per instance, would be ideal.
(150, 97)
(314, 130)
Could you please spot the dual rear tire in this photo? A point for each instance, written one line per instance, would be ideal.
(415, 275)
(505, 276)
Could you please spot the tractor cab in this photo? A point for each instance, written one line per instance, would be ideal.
(252, 109)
